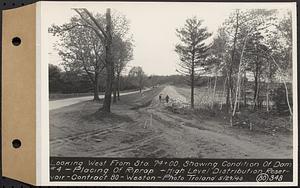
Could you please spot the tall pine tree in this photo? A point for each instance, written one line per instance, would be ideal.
(192, 50)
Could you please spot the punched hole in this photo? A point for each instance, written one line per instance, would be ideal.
(16, 41)
(16, 143)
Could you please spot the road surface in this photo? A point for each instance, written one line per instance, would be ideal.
(142, 126)
(69, 101)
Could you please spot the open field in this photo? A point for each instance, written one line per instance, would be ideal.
(142, 126)
(259, 119)
(202, 96)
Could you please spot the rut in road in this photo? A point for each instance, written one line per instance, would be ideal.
(82, 136)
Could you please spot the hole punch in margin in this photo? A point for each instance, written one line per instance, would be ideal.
(16, 143)
(16, 41)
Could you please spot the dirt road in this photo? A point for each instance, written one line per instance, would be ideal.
(142, 126)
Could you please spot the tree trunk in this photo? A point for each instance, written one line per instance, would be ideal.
(287, 98)
(267, 97)
(258, 93)
(114, 91)
(223, 94)
(109, 64)
(96, 87)
(118, 88)
(268, 87)
(115, 96)
(239, 98)
(229, 89)
(192, 86)
(255, 90)
(214, 92)
(140, 83)
(231, 116)
(256, 75)
(228, 93)
(245, 90)
(208, 84)
(238, 84)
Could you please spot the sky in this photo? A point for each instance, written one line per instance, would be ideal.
(152, 25)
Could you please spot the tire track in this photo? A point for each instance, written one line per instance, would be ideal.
(83, 135)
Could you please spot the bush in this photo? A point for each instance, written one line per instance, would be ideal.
(279, 98)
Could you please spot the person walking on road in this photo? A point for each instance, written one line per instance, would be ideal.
(159, 97)
(167, 98)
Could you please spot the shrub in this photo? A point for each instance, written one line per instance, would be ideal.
(279, 98)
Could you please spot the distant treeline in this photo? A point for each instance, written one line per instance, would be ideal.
(67, 82)
(183, 80)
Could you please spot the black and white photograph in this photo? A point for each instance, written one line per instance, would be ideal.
(171, 80)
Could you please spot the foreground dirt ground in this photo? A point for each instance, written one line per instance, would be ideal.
(142, 126)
